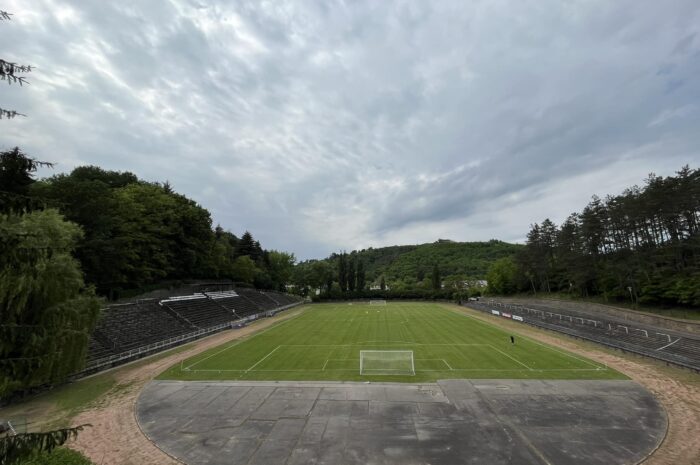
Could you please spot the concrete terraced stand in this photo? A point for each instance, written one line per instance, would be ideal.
(452, 422)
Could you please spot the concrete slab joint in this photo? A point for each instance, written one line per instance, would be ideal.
(449, 422)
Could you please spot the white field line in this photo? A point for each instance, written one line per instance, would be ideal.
(263, 359)
(452, 369)
(414, 343)
(324, 365)
(564, 353)
(514, 359)
(535, 342)
(669, 344)
(386, 342)
(448, 365)
(240, 341)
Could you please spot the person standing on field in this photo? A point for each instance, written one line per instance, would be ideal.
(512, 339)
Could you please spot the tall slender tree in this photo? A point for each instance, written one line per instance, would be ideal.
(343, 272)
(361, 278)
(352, 273)
(436, 279)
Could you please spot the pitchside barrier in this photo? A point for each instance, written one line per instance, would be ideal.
(104, 363)
(671, 347)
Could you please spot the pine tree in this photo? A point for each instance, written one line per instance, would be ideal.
(352, 274)
(360, 275)
(16, 449)
(246, 245)
(11, 72)
(436, 280)
(343, 272)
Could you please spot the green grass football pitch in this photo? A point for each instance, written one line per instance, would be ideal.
(324, 343)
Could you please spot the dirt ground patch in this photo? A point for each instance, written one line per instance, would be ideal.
(678, 390)
(115, 437)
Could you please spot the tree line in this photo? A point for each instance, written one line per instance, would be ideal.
(407, 270)
(66, 239)
(139, 234)
(640, 246)
(343, 276)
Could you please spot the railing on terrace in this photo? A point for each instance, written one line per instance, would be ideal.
(594, 330)
(94, 365)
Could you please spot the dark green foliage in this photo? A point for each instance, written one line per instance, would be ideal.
(641, 246)
(46, 312)
(471, 259)
(402, 294)
(247, 246)
(59, 456)
(343, 272)
(361, 275)
(399, 266)
(351, 264)
(29, 448)
(502, 276)
(436, 281)
(138, 234)
(16, 176)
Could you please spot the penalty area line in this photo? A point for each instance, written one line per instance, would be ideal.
(512, 358)
(244, 339)
(263, 359)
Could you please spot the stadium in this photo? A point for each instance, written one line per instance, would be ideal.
(236, 375)
(334, 232)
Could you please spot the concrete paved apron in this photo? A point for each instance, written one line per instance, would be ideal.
(452, 422)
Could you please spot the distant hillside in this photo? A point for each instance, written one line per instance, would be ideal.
(415, 262)
(471, 259)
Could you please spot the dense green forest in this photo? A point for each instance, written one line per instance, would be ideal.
(68, 238)
(46, 310)
(138, 234)
(641, 246)
(406, 270)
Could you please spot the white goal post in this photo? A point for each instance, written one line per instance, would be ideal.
(377, 302)
(387, 362)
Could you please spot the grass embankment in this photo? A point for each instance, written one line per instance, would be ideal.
(56, 408)
(60, 456)
(324, 343)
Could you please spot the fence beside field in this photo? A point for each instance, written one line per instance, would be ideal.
(678, 348)
(100, 364)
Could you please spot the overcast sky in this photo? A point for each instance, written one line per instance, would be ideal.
(330, 125)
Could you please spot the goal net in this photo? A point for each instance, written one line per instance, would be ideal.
(377, 302)
(387, 362)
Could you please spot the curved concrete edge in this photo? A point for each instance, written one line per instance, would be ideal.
(667, 425)
(294, 407)
(148, 438)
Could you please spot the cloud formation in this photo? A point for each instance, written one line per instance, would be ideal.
(333, 125)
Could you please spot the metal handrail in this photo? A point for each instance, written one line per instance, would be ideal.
(103, 361)
(588, 335)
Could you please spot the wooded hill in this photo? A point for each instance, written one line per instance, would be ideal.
(411, 265)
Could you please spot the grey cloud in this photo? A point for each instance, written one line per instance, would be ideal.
(323, 125)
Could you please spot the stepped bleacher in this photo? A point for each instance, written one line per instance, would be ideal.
(199, 309)
(124, 327)
(150, 325)
(671, 346)
(236, 303)
(259, 298)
